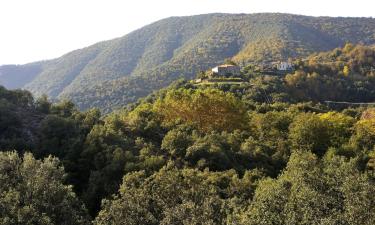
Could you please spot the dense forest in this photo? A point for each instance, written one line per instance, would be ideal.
(266, 151)
(113, 73)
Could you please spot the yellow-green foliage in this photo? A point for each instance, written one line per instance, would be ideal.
(346, 71)
(262, 50)
(366, 126)
(339, 126)
(338, 75)
(113, 73)
(365, 133)
(187, 155)
(208, 109)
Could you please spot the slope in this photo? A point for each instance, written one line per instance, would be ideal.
(110, 74)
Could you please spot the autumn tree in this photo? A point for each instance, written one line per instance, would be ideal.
(208, 109)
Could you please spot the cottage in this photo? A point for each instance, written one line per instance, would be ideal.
(226, 70)
(284, 66)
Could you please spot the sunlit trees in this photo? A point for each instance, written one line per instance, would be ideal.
(364, 135)
(33, 192)
(346, 71)
(311, 191)
(339, 127)
(308, 132)
(193, 154)
(208, 109)
(167, 197)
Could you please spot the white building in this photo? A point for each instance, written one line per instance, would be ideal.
(226, 70)
(284, 66)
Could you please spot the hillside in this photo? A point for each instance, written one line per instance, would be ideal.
(111, 74)
(16, 76)
(189, 154)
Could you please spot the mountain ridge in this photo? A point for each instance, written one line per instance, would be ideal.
(112, 73)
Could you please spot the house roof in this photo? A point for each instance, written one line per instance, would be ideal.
(226, 65)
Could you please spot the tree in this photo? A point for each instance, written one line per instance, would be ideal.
(339, 127)
(43, 105)
(169, 196)
(348, 47)
(208, 109)
(176, 141)
(346, 71)
(309, 132)
(33, 192)
(364, 135)
(59, 136)
(65, 108)
(102, 161)
(230, 62)
(214, 152)
(311, 191)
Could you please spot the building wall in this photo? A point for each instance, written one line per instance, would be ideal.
(284, 66)
(224, 71)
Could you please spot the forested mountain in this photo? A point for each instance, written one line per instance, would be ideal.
(16, 76)
(249, 153)
(111, 74)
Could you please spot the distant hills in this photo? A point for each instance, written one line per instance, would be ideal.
(113, 73)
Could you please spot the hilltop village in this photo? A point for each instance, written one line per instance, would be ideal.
(230, 72)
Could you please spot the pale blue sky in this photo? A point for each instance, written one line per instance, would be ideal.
(33, 30)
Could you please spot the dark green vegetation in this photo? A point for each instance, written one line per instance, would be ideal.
(33, 192)
(250, 153)
(111, 74)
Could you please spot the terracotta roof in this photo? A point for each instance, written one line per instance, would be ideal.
(226, 65)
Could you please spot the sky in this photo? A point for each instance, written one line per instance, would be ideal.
(33, 30)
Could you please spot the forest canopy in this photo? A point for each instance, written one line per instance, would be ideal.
(266, 151)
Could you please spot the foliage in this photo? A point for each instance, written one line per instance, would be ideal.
(339, 127)
(308, 132)
(171, 196)
(320, 77)
(113, 73)
(33, 192)
(208, 109)
(365, 133)
(311, 191)
(259, 152)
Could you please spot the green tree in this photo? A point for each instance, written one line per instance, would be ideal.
(169, 196)
(364, 135)
(33, 192)
(59, 136)
(43, 105)
(339, 127)
(176, 141)
(311, 191)
(230, 62)
(309, 132)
